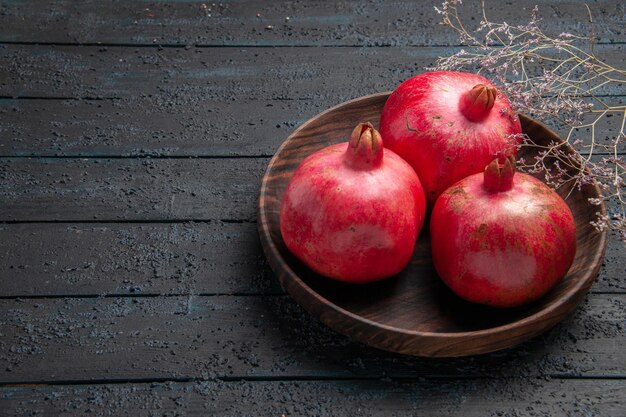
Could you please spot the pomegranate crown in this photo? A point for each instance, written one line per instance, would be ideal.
(365, 149)
(478, 102)
(499, 177)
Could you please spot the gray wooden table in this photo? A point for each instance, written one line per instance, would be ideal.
(133, 136)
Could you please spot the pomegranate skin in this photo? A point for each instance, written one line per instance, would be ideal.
(436, 123)
(352, 219)
(502, 248)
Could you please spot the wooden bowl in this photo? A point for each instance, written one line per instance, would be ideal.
(414, 312)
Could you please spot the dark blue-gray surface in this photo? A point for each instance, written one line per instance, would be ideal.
(133, 136)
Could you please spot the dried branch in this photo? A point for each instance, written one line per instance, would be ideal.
(552, 78)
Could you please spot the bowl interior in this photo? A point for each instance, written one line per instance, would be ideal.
(415, 301)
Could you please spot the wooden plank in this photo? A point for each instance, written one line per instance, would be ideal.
(194, 75)
(131, 127)
(98, 259)
(99, 339)
(129, 189)
(614, 266)
(397, 22)
(152, 258)
(467, 398)
(139, 126)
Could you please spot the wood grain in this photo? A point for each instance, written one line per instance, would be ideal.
(265, 337)
(414, 313)
(466, 398)
(175, 75)
(82, 259)
(315, 23)
(144, 126)
(129, 189)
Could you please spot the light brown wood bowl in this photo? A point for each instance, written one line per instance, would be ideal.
(414, 312)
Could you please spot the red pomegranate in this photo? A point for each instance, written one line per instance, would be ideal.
(352, 211)
(448, 125)
(501, 238)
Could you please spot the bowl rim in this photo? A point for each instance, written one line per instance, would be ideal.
(270, 249)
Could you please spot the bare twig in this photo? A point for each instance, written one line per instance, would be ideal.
(552, 78)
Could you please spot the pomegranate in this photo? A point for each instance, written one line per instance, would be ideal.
(352, 211)
(501, 238)
(448, 125)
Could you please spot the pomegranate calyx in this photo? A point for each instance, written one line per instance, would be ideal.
(478, 102)
(365, 149)
(499, 177)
